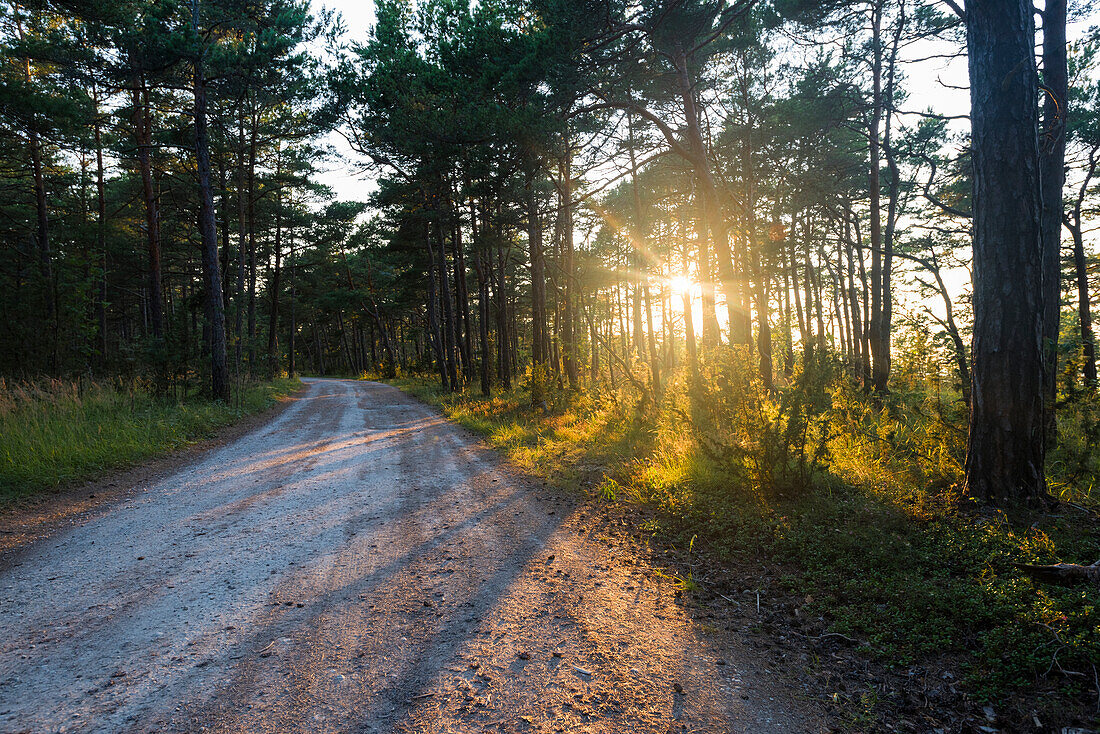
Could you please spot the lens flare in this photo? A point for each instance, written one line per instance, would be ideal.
(680, 284)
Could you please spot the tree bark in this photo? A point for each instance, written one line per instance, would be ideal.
(434, 334)
(1052, 160)
(251, 193)
(143, 136)
(568, 331)
(219, 369)
(1084, 308)
(101, 242)
(273, 289)
(879, 370)
(538, 268)
(1006, 448)
(486, 361)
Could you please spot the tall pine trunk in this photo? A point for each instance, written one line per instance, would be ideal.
(1006, 448)
(215, 317)
(1052, 152)
(143, 136)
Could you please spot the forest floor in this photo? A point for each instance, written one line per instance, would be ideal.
(362, 564)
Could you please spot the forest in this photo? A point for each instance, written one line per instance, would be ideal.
(719, 260)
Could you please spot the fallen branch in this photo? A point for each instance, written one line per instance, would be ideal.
(1065, 574)
(830, 635)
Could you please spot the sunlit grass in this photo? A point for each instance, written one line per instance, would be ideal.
(55, 431)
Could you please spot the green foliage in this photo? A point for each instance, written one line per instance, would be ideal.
(54, 431)
(773, 441)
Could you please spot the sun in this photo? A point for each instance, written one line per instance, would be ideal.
(679, 284)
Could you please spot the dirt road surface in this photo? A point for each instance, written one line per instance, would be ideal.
(359, 564)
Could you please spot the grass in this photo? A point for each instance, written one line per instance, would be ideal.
(53, 432)
(877, 539)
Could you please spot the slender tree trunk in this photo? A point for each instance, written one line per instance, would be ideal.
(1052, 178)
(251, 193)
(504, 342)
(568, 332)
(462, 296)
(434, 334)
(448, 308)
(480, 266)
(291, 357)
(638, 249)
(538, 269)
(242, 246)
(803, 325)
(739, 322)
(219, 369)
(886, 315)
(273, 289)
(223, 258)
(594, 362)
(752, 253)
(1084, 309)
(101, 242)
(143, 136)
(879, 369)
(42, 217)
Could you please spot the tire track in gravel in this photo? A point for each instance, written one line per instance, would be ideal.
(360, 565)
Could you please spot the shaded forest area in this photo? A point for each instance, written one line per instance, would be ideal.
(708, 252)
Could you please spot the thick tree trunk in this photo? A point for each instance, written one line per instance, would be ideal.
(1006, 449)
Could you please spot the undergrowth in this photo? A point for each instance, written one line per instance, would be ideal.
(57, 431)
(859, 500)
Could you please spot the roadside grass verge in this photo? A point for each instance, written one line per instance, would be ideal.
(53, 431)
(878, 542)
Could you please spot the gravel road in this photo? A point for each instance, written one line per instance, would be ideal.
(359, 564)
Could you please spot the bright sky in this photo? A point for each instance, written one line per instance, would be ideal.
(342, 177)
